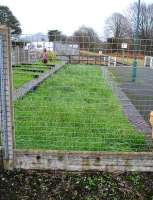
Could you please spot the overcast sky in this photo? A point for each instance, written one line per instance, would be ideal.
(65, 15)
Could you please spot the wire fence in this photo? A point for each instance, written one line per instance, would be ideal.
(76, 109)
(90, 103)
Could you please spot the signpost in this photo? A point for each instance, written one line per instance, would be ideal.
(123, 46)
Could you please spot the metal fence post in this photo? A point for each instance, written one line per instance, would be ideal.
(6, 108)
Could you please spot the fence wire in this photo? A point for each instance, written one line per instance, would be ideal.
(77, 108)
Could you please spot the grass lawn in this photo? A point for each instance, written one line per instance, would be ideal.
(53, 62)
(25, 73)
(74, 110)
(19, 78)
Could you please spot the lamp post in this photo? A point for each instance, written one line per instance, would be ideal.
(136, 36)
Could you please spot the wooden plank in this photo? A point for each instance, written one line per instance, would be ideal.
(83, 161)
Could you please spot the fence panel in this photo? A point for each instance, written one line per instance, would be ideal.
(88, 103)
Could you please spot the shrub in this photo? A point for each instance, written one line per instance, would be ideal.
(51, 56)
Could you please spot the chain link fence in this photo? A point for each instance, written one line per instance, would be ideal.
(76, 109)
(83, 98)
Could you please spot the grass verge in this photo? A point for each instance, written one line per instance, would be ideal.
(19, 78)
(74, 110)
(25, 73)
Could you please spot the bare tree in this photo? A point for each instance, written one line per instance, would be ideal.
(146, 19)
(117, 26)
(87, 38)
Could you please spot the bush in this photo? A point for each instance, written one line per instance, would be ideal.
(51, 56)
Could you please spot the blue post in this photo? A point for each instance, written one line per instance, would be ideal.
(136, 36)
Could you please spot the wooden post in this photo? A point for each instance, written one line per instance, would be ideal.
(18, 54)
(6, 98)
(79, 59)
(69, 59)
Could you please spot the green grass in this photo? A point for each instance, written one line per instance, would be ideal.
(53, 62)
(74, 110)
(19, 78)
(25, 73)
(36, 66)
